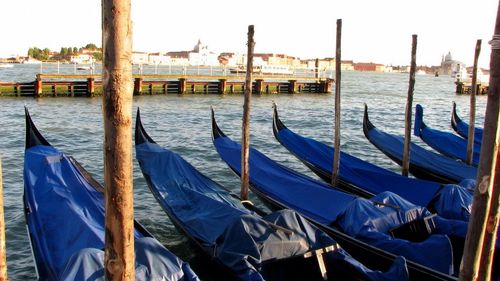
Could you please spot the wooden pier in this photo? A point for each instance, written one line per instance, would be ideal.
(91, 85)
(464, 88)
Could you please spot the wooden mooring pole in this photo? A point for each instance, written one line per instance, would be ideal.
(483, 224)
(336, 152)
(472, 111)
(409, 105)
(245, 135)
(3, 250)
(119, 259)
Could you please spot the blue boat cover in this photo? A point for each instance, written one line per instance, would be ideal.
(424, 159)
(66, 223)
(239, 238)
(372, 223)
(462, 129)
(315, 199)
(452, 202)
(355, 171)
(153, 262)
(445, 143)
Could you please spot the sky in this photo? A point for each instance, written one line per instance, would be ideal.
(378, 31)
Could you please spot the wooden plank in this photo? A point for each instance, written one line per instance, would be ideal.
(119, 257)
(409, 106)
(336, 153)
(472, 111)
(245, 135)
(3, 249)
(483, 224)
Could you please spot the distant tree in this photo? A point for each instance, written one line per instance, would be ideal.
(91, 46)
(63, 52)
(97, 56)
(75, 51)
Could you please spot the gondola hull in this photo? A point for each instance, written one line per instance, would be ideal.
(462, 128)
(207, 213)
(64, 210)
(424, 164)
(317, 210)
(447, 144)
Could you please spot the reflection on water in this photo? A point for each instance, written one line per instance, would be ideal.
(182, 123)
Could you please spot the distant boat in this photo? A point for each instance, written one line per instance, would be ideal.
(265, 69)
(6, 65)
(83, 67)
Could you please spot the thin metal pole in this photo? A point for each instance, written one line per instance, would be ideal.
(336, 152)
(483, 224)
(245, 136)
(119, 257)
(472, 118)
(409, 105)
(3, 250)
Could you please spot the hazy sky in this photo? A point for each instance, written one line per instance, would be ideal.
(373, 30)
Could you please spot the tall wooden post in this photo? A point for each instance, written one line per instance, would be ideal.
(117, 114)
(138, 86)
(472, 118)
(409, 105)
(90, 86)
(222, 86)
(316, 68)
(38, 86)
(245, 135)
(336, 153)
(3, 251)
(483, 224)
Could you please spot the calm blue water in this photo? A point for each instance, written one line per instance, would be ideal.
(182, 123)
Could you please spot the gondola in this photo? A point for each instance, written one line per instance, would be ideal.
(445, 143)
(462, 128)
(249, 244)
(351, 220)
(64, 210)
(365, 179)
(424, 163)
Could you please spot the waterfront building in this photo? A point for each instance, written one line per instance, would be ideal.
(363, 66)
(454, 68)
(81, 59)
(140, 58)
(201, 55)
(159, 59)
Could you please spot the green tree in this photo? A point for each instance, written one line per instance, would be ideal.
(97, 56)
(91, 46)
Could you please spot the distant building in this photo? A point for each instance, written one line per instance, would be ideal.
(140, 58)
(363, 66)
(201, 55)
(159, 58)
(452, 67)
(81, 59)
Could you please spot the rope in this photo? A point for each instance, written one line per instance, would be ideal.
(495, 42)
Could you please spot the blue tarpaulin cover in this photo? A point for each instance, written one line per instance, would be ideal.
(421, 157)
(239, 238)
(360, 173)
(325, 205)
(452, 201)
(66, 223)
(372, 223)
(445, 143)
